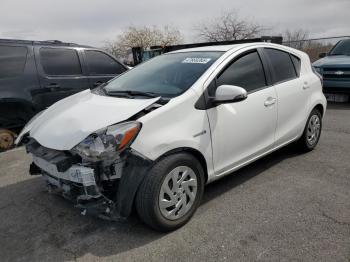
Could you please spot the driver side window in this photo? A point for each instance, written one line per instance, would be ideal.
(246, 71)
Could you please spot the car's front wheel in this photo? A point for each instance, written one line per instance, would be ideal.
(171, 192)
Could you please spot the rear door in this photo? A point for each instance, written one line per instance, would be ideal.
(292, 92)
(101, 67)
(60, 73)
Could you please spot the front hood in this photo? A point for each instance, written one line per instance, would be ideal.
(69, 121)
(337, 60)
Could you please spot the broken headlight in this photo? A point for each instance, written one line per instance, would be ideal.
(108, 143)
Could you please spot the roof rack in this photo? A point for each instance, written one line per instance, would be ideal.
(271, 39)
(138, 52)
(37, 42)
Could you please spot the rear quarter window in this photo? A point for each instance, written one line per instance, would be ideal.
(12, 60)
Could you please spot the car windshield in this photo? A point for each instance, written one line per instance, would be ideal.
(167, 75)
(342, 48)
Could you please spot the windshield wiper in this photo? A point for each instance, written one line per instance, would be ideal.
(131, 93)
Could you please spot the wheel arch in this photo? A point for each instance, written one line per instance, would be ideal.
(320, 108)
(194, 152)
(137, 169)
(15, 112)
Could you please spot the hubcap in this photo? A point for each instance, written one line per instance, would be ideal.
(313, 129)
(178, 192)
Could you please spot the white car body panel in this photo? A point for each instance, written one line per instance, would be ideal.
(228, 136)
(69, 121)
(187, 128)
(241, 131)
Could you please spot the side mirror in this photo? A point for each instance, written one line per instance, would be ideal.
(322, 55)
(229, 94)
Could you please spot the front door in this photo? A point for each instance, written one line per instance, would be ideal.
(240, 131)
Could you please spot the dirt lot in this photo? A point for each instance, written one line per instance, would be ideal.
(284, 207)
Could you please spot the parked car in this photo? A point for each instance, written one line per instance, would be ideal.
(36, 74)
(335, 68)
(154, 136)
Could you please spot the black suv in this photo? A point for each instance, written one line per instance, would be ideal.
(36, 74)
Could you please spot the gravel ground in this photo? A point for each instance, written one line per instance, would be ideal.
(284, 207)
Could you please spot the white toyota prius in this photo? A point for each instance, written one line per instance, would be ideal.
(152, 137)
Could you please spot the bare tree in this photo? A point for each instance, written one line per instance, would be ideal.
(300, 39)
(143, 37)
(296, 38)
(228, 26)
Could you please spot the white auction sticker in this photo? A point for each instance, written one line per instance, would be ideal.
(196, 60)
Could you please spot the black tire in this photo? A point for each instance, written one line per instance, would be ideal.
(7, 139)
(147, 197)
(303, 142)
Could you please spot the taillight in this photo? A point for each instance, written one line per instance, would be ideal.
(318, 74)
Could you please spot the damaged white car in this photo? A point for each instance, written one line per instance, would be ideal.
(154, 136)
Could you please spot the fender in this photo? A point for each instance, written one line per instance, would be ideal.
(137, 166)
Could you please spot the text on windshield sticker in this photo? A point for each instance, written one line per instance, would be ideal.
(194, 60)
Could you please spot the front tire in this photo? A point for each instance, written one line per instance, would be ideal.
(312, 132)
(171, 192)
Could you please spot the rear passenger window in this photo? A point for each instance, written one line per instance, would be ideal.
(60, 61)
(102, 64)
(247, 72)
(297, 64)
(12, 60)
(282, 65)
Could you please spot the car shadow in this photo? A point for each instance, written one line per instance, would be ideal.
(37, 225)
(248, 172)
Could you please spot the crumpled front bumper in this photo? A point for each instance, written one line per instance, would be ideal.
(75, 174)
(85, 184)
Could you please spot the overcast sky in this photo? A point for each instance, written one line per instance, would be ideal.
(95, 21)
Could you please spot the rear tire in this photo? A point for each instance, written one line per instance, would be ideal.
(7, 139)
(171, 192)
(312, 132)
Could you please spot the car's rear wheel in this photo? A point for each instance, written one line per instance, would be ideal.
(7, 139)
(312, 131)
(171, 192)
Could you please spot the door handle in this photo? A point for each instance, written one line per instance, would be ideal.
(270, 101)
(96, 84)
(305, 85)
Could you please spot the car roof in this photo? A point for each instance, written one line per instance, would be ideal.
(234, 47)
(222, 48)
